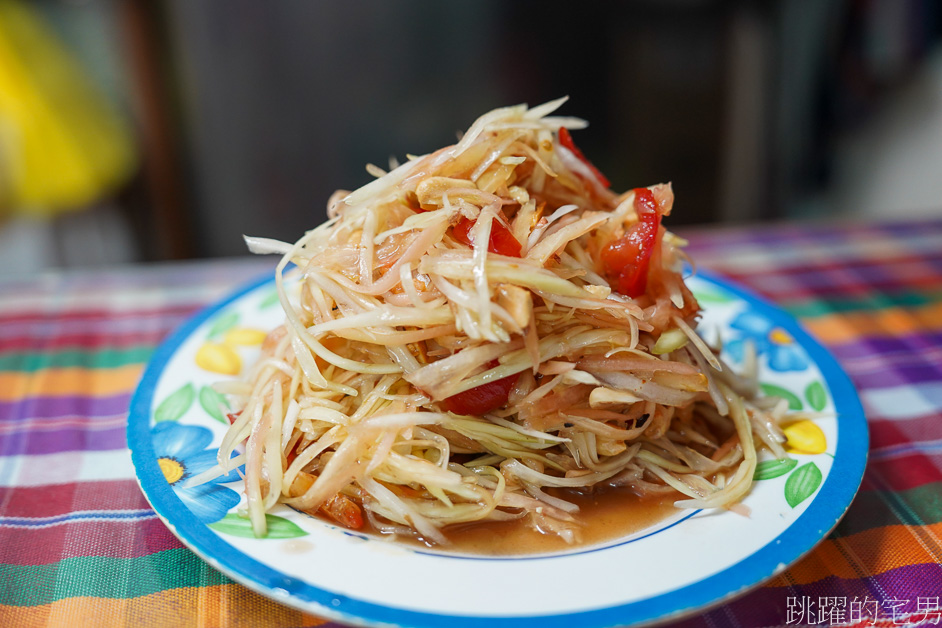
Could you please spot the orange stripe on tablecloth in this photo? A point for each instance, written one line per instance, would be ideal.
(866, 553)
(894, 321)
(69, 381)
(230, 605)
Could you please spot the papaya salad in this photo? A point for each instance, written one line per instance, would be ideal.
(481, 329)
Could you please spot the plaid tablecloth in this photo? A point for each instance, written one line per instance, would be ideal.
(80, 546)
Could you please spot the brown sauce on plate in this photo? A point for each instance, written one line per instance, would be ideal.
(606, 515)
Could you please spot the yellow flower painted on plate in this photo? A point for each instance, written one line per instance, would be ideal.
(218, 358)
(804, 437)
(172, 469)
(780, 337)
(244, 336)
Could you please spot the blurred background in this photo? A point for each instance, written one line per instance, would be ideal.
(164, 129)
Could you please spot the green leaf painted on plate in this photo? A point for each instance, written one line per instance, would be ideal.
(710, 296)
(278, 527)
(223, 324)
(794, 403)
(175, 405)
(816, 395)
(269, 300)
(802, 483)
(213, 403)
(773, 468)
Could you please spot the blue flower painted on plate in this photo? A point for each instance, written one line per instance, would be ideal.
(181, 453)
(783, 352)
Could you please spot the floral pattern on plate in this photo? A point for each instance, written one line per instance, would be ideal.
(182, 453)
(177, 421)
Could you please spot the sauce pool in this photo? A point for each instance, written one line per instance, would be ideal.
(605, 515)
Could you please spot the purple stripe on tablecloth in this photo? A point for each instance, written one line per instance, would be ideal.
(885, 347)
(788, 235)
(887, 362)
(832, 283)
(928, 449)
(866, 279)
(157, 321)
(50, 407)
(215, 274)
(899, 376)
(18, 423)
(931, 360)
(66, 439)
(903, 229)
(769, 606)
(781, 236)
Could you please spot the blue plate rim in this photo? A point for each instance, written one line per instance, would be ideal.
(821, 516)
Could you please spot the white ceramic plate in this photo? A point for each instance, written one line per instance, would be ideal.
(682, 565)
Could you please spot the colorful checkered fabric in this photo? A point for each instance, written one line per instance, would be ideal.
(80, 546)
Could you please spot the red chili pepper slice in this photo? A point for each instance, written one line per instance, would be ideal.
(501, 242)
(484, 398)
(626, 259)
(565, 138)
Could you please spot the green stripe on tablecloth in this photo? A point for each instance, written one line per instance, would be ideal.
(95, 576)
(822, 306)
(873, 509)
(30, 362)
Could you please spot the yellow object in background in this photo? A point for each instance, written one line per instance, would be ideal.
(62, 145)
